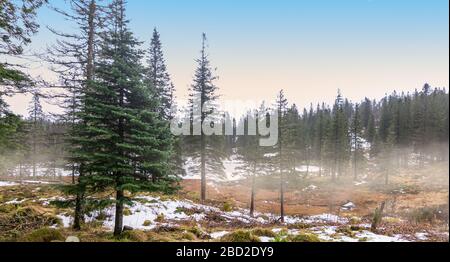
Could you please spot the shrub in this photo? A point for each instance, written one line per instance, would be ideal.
(263, 232)
(44, 235)
(134, 236)
(127, 212)
(304, 237)
(188, 236)
(240, 236)
(227, 207)
(147, 223)
(160, 218)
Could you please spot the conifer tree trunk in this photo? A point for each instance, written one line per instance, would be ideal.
(281, 174)
(252, 200)
(118, 223)
(203, 167)
(78, 217)
(79, 214)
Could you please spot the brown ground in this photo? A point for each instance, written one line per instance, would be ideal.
(408, 190)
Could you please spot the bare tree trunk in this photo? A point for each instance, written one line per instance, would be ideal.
(203, 168)
(79, 214)
(282, 198)
(73, 174)
(386, 178)
(118, 223)
(252, 200)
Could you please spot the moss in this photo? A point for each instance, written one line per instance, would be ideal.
(147, 223)
(134, 236)
(304, 237)
(355, 220)
(301, 226)
(240, 236)
(157, 237)
(44, 235)
(347, 231)
(160, 218)
(188, 236)
(363, 239)
(198, 232)
(227, 207)
(127, 212)
(7, 208)
(263, 232)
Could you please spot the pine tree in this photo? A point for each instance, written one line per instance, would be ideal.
(36, 117)
(124, 144)
(208, 149)
(281, 105)
(357, 147)
(17, 26)
(338, 138)
(73, 59)
(159, 78)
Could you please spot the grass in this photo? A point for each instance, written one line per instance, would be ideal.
(304, 237)
(240, 236)
(45, 235)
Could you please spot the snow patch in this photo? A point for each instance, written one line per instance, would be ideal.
(5, 184)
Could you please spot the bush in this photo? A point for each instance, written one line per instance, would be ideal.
(263, 232)
(134, 236)
(304, 237)
(44, 235)
(240, 236)
(227, 207)
(127, 212)
(188, 236)
(160, 218)
(199, 233)
(147, 223)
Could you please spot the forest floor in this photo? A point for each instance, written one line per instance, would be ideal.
(317, 210)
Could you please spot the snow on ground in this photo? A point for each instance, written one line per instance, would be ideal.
(310, 169)
(348, 206)
(359, 183)
(309, 188)
(149, 212)
(40, 172)
(219, 234)
(5, 184)
(231, 169)
(15, 202)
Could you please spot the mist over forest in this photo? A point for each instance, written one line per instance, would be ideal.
(106, 166)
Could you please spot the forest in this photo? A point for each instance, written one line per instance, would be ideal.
(108, 168)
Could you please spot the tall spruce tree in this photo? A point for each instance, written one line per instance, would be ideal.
(36, 117)
(125, 144)
(73, 60)
(206, 148)
(357, 143)
(338, 138)
(281, 105)
(159, 78)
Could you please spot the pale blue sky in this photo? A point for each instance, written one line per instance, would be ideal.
(310, 48)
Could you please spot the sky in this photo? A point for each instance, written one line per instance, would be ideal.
(308, 48)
